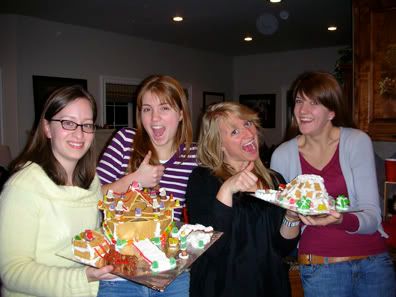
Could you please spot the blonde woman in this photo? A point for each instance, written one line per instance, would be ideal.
(247, 260)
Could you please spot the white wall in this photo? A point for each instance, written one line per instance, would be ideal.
(274, 73)
(31, 46)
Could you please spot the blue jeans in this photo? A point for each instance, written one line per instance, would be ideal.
(369, 277)
(178, 288)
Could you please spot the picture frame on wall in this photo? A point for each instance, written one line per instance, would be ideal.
(264, 104)
(210, 98)
(43, 86)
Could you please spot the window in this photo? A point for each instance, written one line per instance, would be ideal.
(120, 105)
(118, 101)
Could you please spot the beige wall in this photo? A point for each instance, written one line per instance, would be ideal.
(38, 47)
(31, 46)
(274, 73)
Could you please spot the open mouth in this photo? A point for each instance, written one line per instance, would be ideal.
(305, 120)
(158, 131)
(250, 147)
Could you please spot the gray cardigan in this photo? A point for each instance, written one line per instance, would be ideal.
(358, 167)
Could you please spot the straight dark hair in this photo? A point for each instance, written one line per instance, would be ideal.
(39, 150)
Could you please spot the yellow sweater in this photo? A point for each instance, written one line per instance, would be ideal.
(37, 220)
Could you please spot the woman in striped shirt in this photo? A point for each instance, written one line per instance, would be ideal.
(158, 152)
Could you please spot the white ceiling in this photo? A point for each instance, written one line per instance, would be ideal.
(213, 25)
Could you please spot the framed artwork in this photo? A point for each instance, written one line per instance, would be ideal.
(210, 98)
(264, 104)
(43, 86)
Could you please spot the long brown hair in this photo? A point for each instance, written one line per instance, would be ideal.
(324, 88)
(39, 150)
(169, 91)
(209, 152)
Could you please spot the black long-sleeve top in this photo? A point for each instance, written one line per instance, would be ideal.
(247, 260)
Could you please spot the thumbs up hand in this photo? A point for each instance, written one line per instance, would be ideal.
(149, 175)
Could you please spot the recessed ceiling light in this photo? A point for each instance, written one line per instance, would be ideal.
(178, 18)
(332, 28)
(248, 38)
(275, 1)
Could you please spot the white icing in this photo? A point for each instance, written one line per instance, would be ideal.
(119, 206)
(152, 253)
(157, 232)
(310, 186)
(267, 195)
(184, 257)
(188, 228)
(305, 194)
(162, 192)
(198, 236)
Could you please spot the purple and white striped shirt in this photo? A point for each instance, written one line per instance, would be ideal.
(114, 164)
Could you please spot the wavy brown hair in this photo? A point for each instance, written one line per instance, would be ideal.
(169, 91)
(209, 152)
(323, 88)
(39, 150)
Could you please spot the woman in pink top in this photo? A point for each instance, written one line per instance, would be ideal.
(340, 254)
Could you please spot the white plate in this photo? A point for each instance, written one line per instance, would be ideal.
(307, 213)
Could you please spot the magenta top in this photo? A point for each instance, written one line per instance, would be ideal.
(334, 240)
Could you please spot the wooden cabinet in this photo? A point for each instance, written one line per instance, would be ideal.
(374, 46)
(295, 282)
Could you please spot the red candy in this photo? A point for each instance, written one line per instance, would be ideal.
(89, 235)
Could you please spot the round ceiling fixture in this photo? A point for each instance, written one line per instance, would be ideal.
(267, 24)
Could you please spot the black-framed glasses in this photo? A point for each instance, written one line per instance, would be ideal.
(71, 126)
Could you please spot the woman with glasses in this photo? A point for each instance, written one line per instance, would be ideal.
(158, 152)
(51, 196)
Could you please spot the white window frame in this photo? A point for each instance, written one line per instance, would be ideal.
(116, 80)
(104, 79)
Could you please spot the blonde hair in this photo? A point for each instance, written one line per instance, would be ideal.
(209, 152)
(168, 90)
